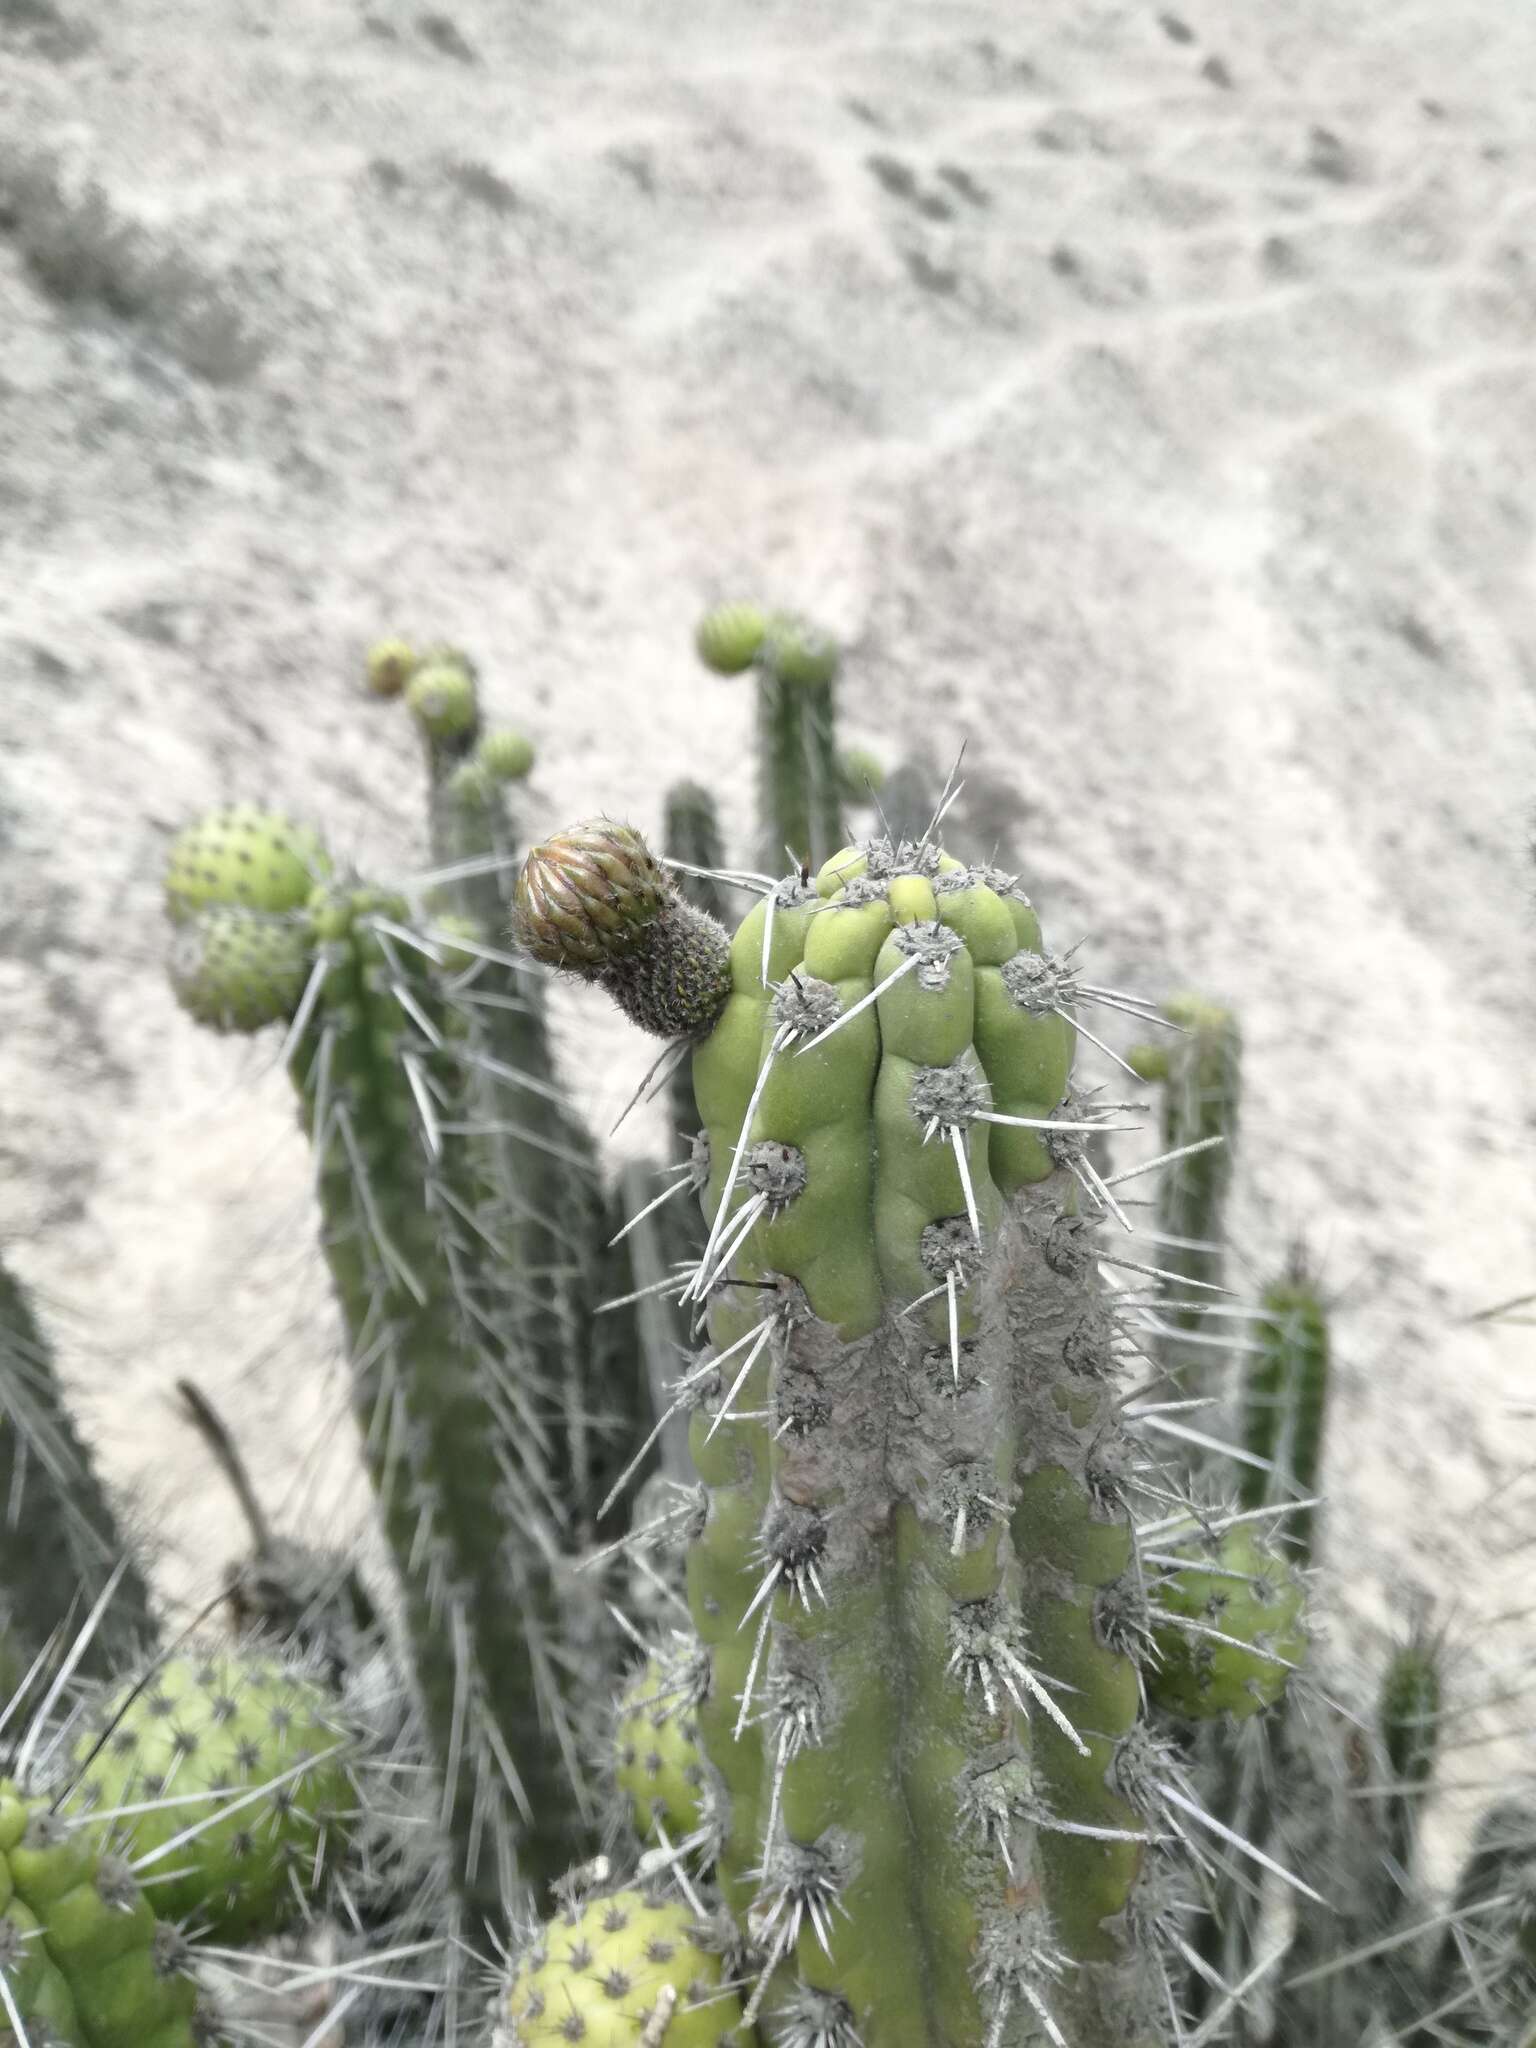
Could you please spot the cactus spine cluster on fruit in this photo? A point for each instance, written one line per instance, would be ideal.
(916, 1583)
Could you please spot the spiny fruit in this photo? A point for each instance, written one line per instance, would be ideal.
(242, 855)
(238, 970)
(83, 1962)
(391, 664)
(598, 1975)
(660, 1767)
(730, 637)
(799, 653)
(505, 754)
(1228, 1630)
(442, 699)
(262, 1743)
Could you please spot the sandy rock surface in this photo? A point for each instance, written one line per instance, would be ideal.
(1148, 398)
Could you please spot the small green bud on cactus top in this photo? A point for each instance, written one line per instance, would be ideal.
(730, 638)
(862, 776)
(505, 754)
(237, 970)
(659, 1765)
(226, 1725)
(391, 664)
(601, 1974)
(1228, 1631)
(242, 855)
(596, 902)
(799, 654)
(442, 698)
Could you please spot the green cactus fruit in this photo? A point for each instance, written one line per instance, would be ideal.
(506, 755)
(660, 1767)
(239, 970)
(442, 698)
(471, 784)
(266, 1762)
(1229, 1631)
(626, 1971)
(862, 776)
(83, 1961)
(596, 902)
(391, 664)
(799, 654)
(730, 638)
(245, 857)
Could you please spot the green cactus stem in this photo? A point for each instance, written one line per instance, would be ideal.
(801, 783)
(1285, 1400)
(1201, 1073)
(1409, 1716)
(543, 1205)
(59, 1538)
(916, 1582)
(456, 1425)
(83, 1961)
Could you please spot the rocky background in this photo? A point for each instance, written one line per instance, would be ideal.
(1148, 398)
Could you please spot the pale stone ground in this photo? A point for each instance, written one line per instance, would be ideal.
(1150, 398)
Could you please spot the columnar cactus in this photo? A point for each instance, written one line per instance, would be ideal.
(916, 1582)
(1285, 1399)
(60, 1537)
(1201, 1072)
(460, 1414)
(800, 777)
